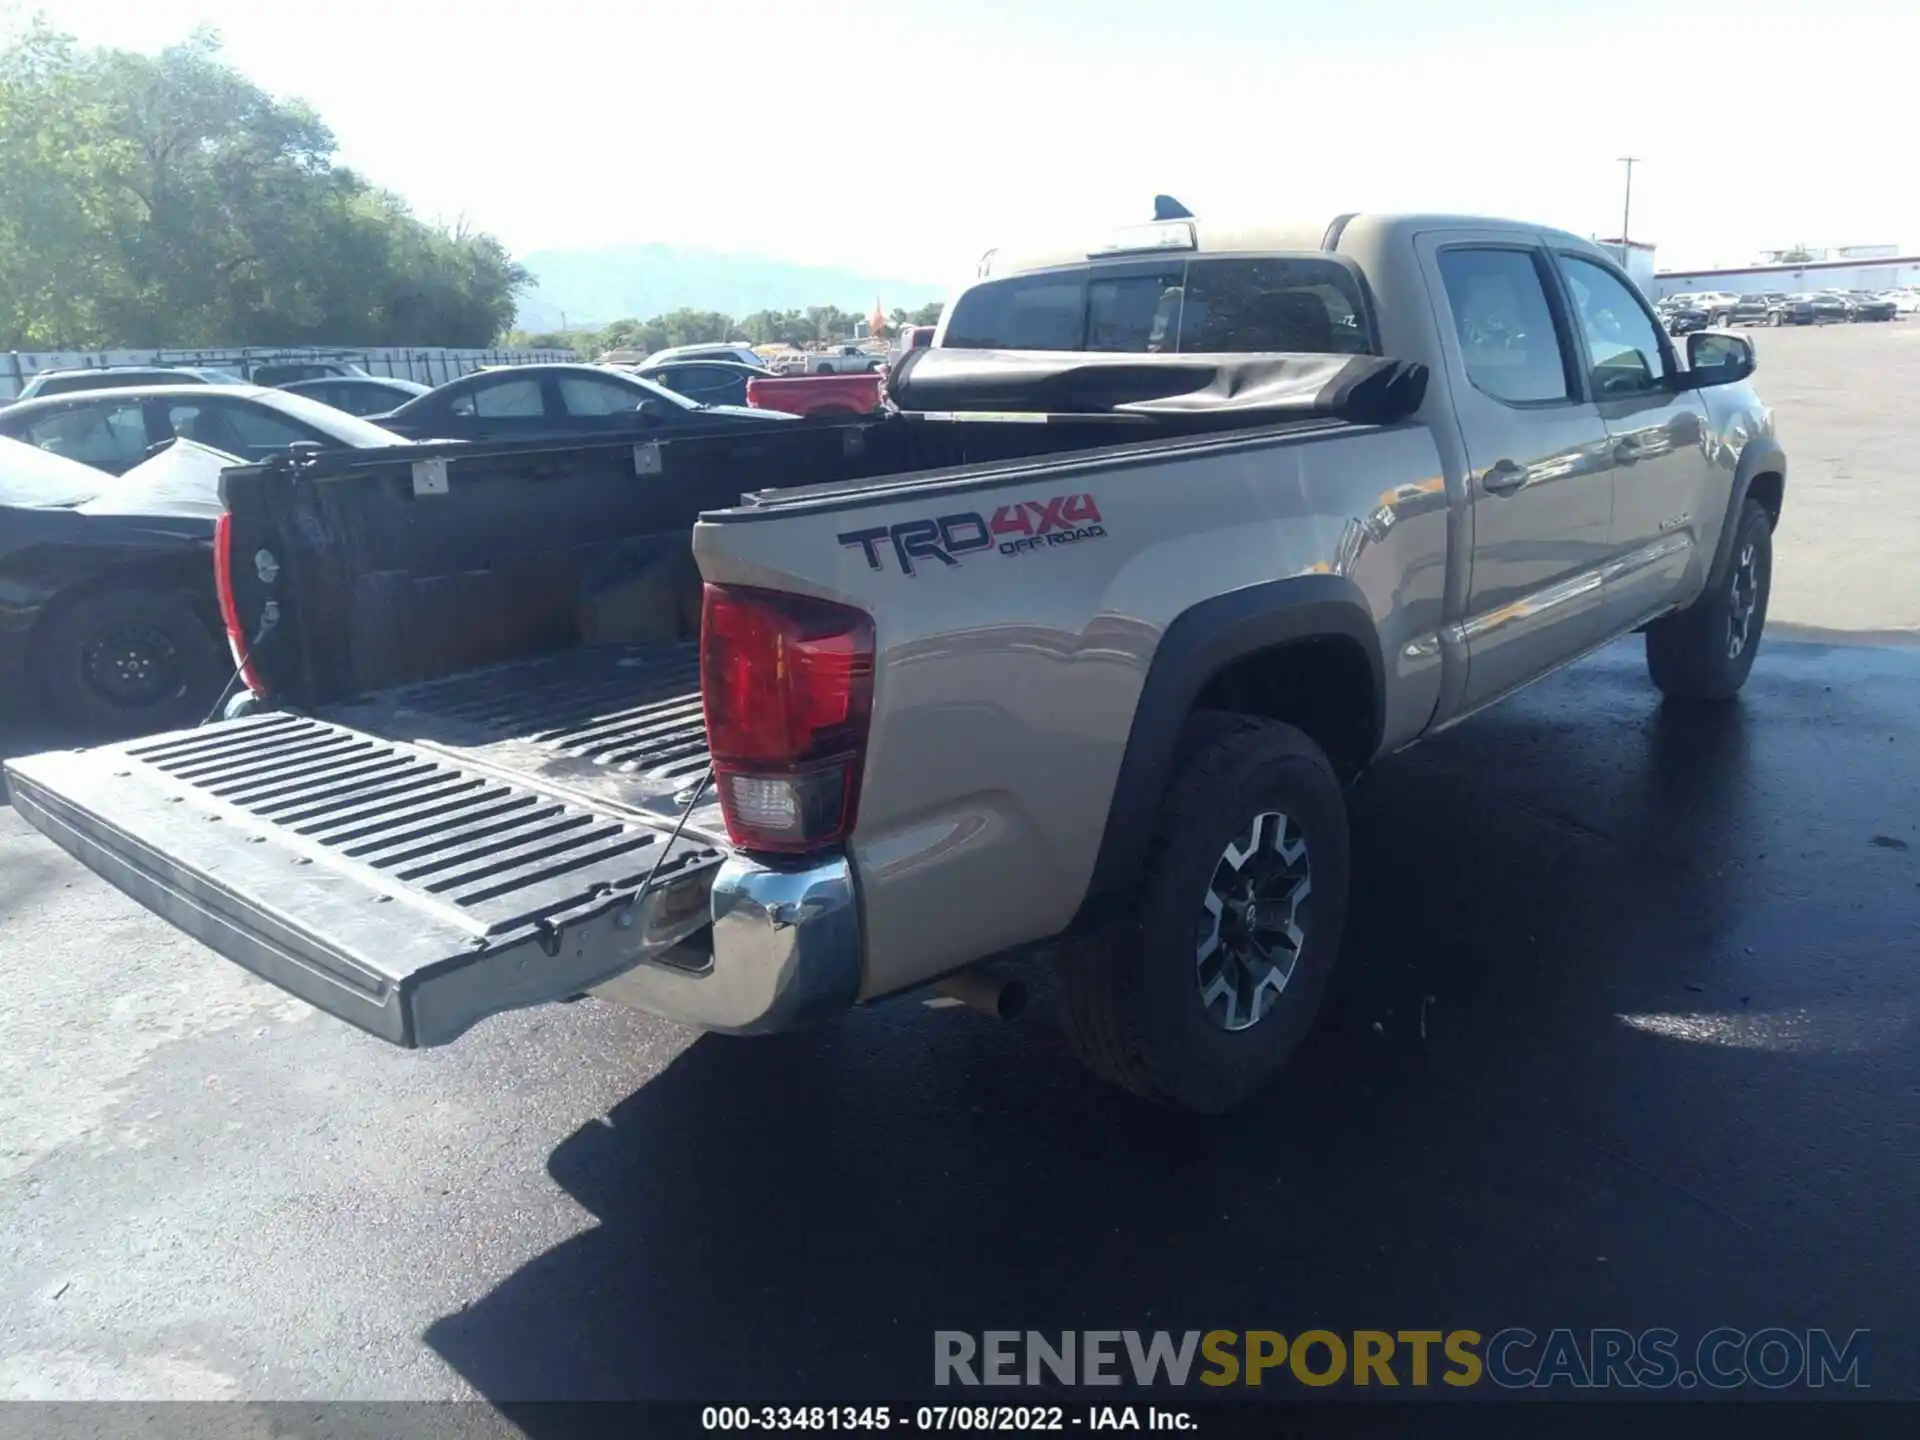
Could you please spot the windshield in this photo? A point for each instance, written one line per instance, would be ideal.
(31, 476)
(1205, 305)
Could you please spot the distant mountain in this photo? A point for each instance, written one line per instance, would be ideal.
(596, 287)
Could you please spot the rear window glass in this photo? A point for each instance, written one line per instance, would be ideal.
(1222, 305)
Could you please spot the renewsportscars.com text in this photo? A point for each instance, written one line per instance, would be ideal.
(1514, 1358)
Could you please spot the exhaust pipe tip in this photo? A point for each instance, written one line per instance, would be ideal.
(989, 992)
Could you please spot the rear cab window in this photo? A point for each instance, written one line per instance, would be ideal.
(1206, 304)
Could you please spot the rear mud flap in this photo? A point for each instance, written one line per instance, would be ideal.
(385, 885)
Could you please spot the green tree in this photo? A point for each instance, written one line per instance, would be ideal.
(156, 200)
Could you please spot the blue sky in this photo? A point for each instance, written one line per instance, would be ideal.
(906, 137)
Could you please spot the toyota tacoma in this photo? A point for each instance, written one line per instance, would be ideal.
(1070, 653)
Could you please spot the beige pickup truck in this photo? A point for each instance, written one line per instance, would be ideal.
(1070, 654)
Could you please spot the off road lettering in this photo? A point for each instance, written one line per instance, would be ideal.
(1033, 525)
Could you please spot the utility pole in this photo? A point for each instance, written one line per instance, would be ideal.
(1626, 211)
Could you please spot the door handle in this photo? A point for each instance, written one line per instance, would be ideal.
(1627, 452)
(1503, 477)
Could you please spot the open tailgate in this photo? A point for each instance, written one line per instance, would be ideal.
(398, 890)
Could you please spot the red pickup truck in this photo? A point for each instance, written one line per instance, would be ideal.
(825, 395)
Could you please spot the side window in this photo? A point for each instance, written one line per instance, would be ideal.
(584, 395)
(195, 420)
(236, 429)
(259, 430)
(1621, 337)
(504, 400)
(109, 436)
(355, 399)
(1500, 314)
(708, 384)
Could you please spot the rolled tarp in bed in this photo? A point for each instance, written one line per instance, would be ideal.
(1364, 389)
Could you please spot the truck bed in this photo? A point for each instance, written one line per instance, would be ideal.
(615, 727)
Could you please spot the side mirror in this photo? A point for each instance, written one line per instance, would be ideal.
(1715, 357)
(651, 410)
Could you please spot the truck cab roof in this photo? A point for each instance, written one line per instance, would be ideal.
(1201, 236)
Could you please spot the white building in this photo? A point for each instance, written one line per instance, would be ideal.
(1636, 258)
(1846, 270)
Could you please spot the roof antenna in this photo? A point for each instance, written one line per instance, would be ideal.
(1165, 207)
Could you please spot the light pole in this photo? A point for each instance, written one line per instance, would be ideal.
(1626, 210)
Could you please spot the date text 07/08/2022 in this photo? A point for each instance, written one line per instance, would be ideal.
(934, 1418)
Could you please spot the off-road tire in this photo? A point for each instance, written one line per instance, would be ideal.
(167, 623)
(1129, 997)
(1688, 653)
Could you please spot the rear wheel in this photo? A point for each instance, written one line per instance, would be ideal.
(1201, 993)
(1706, 651)
(128, 661)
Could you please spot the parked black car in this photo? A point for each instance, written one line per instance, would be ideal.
(358, 394)
(1680, 318)
(1750, 309)
(285, 372)
(114, 430)
(529, 400)
(1865, 305)
(710, 382)
(1828, 308)
(109, 618)
(1793, 310)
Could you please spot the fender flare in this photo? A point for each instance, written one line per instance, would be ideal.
(1762, 455)
(1202, 641)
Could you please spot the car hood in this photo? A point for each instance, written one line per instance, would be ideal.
(181, 482)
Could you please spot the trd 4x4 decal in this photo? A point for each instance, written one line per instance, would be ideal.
(1022, 528)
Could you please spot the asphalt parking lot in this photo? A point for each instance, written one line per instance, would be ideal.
(1630, 1036)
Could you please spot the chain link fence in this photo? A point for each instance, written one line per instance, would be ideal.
(429, 365)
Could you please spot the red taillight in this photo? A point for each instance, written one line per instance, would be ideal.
(787, 684)
(229, 608)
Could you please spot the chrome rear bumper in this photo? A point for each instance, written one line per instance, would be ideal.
(783, 952)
